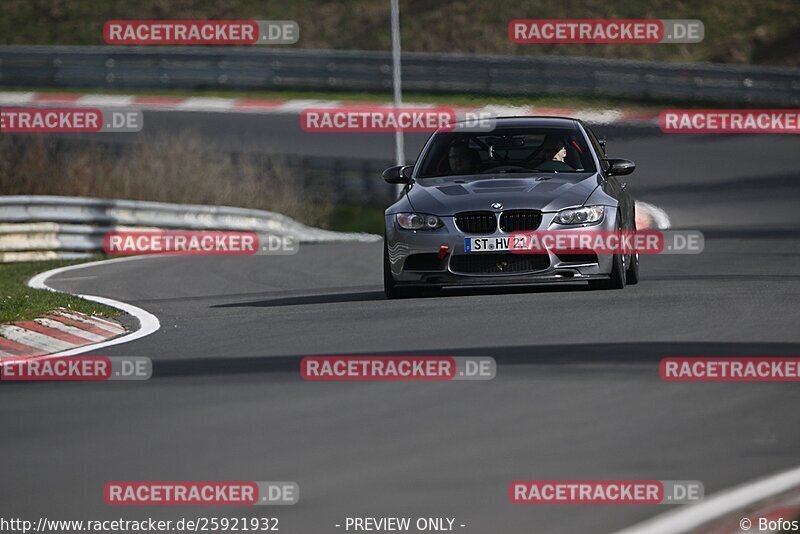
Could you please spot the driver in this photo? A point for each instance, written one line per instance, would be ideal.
(554, 149)
(462, 159)
(554, 152)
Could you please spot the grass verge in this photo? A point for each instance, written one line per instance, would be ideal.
(18, 302)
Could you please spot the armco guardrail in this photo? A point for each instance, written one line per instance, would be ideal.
(47, 227)
(263, 68)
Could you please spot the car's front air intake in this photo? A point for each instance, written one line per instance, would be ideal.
(476, 222)
(498, 263)
(520, 220)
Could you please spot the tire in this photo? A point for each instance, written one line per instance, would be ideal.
(632, 273)
(617, 279)
(618, 272)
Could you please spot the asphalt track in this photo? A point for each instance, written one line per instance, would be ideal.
(577, 393)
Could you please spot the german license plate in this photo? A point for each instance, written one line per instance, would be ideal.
(487, 244)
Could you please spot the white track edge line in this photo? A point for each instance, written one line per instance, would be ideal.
(148, 323)
(719, 505)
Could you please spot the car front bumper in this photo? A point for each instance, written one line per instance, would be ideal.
(418, 258)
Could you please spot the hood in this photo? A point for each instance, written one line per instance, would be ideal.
(446, 196)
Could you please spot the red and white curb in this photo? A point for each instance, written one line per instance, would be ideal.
(295, 106)
(74, 333)
(59, 331)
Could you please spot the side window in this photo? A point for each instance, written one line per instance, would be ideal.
(601, 152)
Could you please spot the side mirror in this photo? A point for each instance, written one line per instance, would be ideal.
(620, 167)
(399, 174)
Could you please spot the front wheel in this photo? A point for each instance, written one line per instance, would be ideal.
(617, 279)
(632, 273)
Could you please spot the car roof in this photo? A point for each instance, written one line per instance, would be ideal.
(536, 121)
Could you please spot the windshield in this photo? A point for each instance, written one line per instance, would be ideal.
(507, 151)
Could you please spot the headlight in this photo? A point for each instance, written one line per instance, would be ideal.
(418, 221)
(585, 215)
